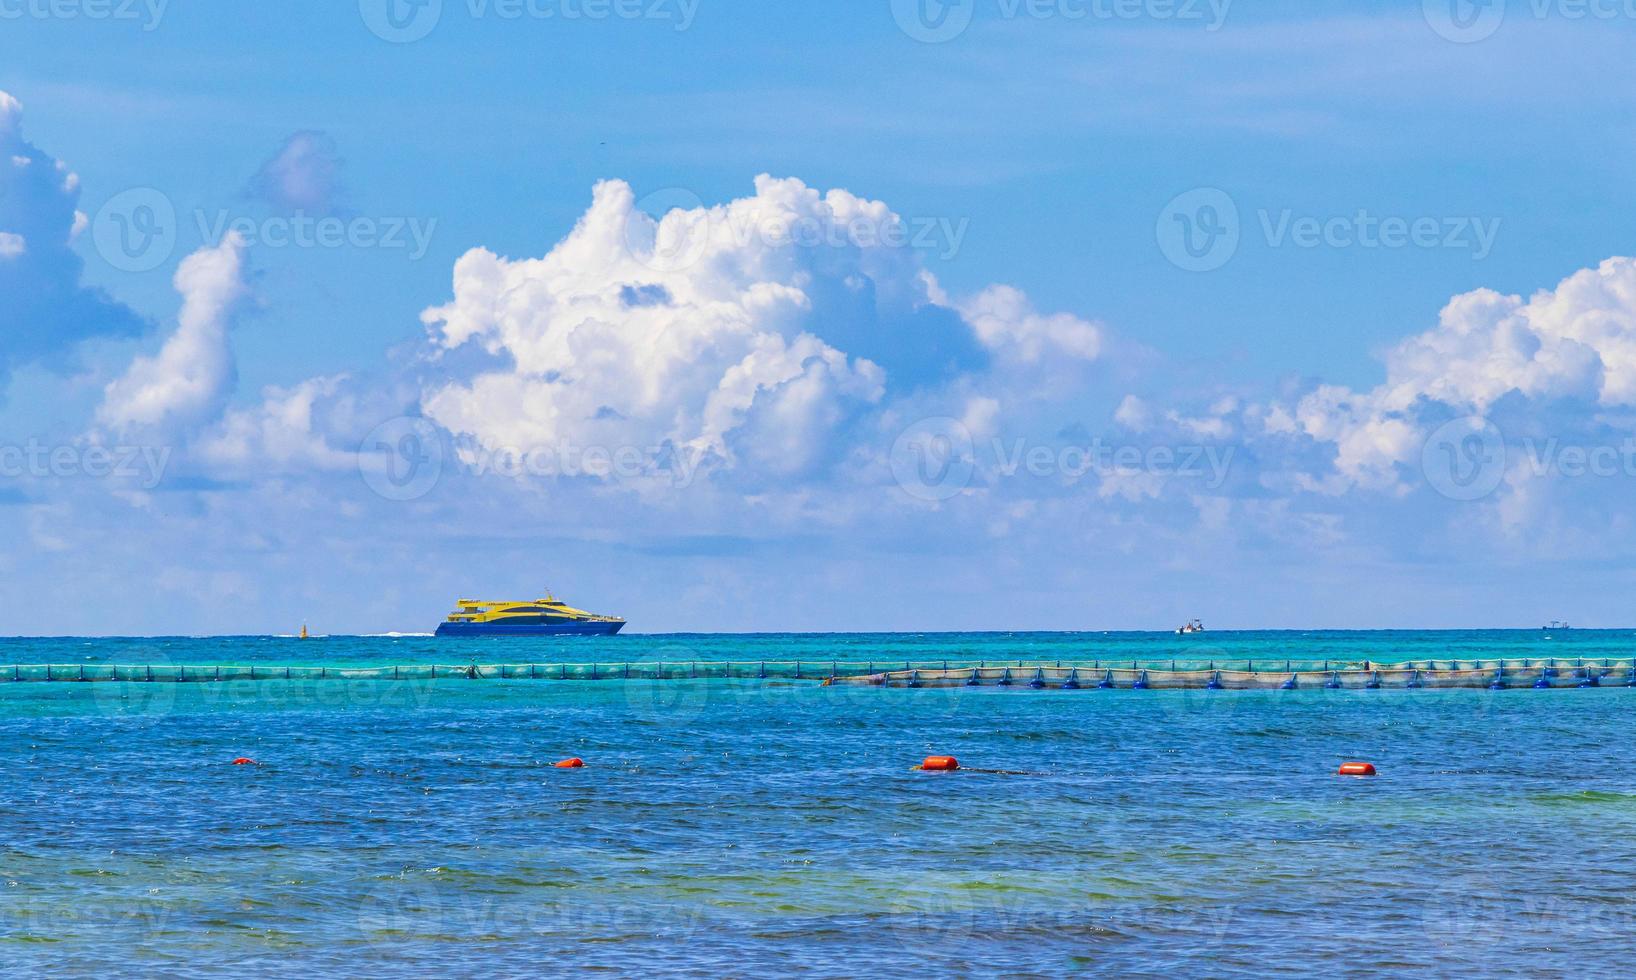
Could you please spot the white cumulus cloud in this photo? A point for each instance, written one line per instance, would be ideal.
(1575, 342)
(726, 330)
(285, 428)
(189, 380)
(1008, 324)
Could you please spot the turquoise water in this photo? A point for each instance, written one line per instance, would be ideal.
(741, 827)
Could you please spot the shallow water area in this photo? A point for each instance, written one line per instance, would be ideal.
(737, 827)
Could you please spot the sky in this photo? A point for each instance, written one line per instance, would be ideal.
(866, 315)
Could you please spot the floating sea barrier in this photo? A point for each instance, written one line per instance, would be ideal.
(1064, 675)
(1493, 675)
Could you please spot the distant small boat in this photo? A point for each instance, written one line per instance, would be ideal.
(1191, 626)
(1557, 624)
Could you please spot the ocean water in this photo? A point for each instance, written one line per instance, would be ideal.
(748, 828)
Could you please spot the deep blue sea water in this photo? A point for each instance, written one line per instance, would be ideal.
(748, 828)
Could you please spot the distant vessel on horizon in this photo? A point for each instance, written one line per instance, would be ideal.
(543, 617)
(1557, 624)
(1191, 626)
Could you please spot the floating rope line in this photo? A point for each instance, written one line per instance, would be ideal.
(1472, 675)
(1065, 675)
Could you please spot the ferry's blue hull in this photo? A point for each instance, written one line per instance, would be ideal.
(530, 629)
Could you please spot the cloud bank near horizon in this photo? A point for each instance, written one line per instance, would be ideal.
(785, 367)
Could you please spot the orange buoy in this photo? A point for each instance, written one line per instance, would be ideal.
(940, 763)
(1356, 769)
(574, 763)
(242, 761)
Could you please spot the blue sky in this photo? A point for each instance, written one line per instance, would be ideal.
(1343, 285)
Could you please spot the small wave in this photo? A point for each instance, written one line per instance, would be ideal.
(397, 635)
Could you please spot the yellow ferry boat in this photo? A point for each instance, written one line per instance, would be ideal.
(542, 617)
